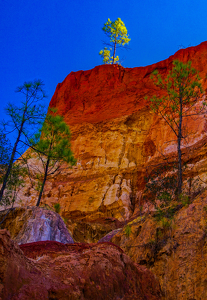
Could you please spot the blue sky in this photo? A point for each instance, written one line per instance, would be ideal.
(48, 39)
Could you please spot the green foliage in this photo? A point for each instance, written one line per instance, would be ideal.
(15, 178)
(38, 186)
(182, 83)
(29, 116)
(127, 230)
(23, 120)
(54, 143)
(65, 220)
(116, 31)
(5, 149)
(118, 35)
(57, 207)
(185, 200)
(166, 223)
(15, 181)
(107, 58)
(166, 212)
(162, 184)
(52, 147)
(159, 214)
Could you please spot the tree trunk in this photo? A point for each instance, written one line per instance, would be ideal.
(180, 175)
(43, 183)
(12, 156)
(114, 51)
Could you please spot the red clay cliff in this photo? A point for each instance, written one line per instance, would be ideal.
(111, 91)
(116, 138)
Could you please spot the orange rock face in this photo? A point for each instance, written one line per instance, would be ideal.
(177, 253)
(116, 138)
(72, 272)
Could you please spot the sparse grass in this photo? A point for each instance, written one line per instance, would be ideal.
(57, 207)
(167, 212)
(185, 200)
(165, 223)
(65, 220)
(127, 230)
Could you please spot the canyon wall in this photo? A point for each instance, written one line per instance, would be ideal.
(176, 252)
(116, 139)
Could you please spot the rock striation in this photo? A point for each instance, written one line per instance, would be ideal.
(51, 270)
(116, 140)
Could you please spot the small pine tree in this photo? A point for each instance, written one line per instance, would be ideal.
(181, 88)
(23, 120)
(52, 147)
(118, 35)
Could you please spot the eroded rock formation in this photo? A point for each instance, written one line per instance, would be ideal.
(33, 224)
(65, 271)
(176, 253)
(116, 139)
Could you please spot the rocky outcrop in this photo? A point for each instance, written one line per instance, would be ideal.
(108, 237)
(116, 140)
(71, 272)
(174, 250)
(32, 224)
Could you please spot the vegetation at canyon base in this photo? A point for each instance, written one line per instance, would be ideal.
(117, 33)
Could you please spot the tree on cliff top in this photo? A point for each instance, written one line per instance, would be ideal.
(117, 33)
(23, 120)
(181, 90)
(52, 147)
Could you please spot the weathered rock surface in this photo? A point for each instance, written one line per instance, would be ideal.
(108, 237)
(66, 271)
(176, 254)
(116, 138)
(32, 224)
